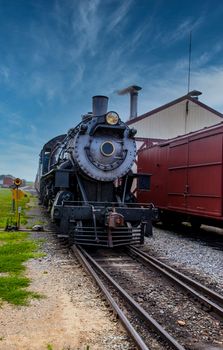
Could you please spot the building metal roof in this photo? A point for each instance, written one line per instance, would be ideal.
(8, 177)
(172, 103)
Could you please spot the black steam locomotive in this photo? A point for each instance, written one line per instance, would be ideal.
(85, 180)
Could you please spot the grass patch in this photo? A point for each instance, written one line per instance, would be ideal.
(49, 347)
(12, 236)
(12, 255)
(12, 290)
(15, 249)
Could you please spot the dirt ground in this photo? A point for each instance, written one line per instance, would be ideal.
(70, 316)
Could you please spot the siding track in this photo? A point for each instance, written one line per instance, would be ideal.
(212, 300)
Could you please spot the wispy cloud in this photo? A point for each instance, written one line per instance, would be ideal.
(182, 30)
(4, 73)
(210, 82)
(119, 15)
(207, 55)
(86, 25)
(19, 160)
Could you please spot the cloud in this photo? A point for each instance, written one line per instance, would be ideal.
(4, 73)
(165, 89)
(9, 117)
(210, 82)
(86, 24)
(119, 15)
(206, 56)
(19, 160)
(173, 35)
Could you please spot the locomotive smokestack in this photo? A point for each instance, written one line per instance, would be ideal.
(99, 105)
(133, 91)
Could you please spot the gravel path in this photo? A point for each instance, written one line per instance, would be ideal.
(70, 316)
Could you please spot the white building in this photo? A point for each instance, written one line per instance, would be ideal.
(175, 118)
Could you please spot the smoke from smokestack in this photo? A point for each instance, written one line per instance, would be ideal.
(133, 91)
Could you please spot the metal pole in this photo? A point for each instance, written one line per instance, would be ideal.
(16, 212)
(189, 62)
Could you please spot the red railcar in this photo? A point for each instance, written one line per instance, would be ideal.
(186, 177)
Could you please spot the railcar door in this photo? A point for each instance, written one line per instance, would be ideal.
(205, 174)
(195, 174)
(177, 175)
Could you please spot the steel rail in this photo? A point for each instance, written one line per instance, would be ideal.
(182, 280)
(153, 323)
(216, 297)
(132, 332)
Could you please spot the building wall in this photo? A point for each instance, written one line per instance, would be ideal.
(7, 181)
(174, 121)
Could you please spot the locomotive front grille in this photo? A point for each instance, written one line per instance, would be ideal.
(113, 238)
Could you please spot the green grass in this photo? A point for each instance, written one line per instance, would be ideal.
(12, 255)
(15, 249)
(6, 207)
(12, 290)
(49, 347)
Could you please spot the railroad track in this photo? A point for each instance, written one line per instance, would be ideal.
(212, 300)
(94, 266)
(88, 262)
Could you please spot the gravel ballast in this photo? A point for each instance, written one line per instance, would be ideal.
(197, 258)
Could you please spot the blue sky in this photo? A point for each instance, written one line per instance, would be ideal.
(56, 54)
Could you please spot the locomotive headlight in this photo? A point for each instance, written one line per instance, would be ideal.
(112, 118)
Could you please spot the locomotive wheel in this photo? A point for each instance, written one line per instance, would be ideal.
(71, 239)
(148, 229)
(71, 231)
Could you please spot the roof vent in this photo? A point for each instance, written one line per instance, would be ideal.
(194, 94)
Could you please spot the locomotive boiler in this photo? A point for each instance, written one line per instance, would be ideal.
(85, 180)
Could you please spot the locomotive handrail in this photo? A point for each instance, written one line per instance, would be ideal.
(49, 173)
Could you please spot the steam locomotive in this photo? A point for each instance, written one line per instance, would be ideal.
(85, 180)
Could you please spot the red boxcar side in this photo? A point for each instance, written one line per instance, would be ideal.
(186, 175)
